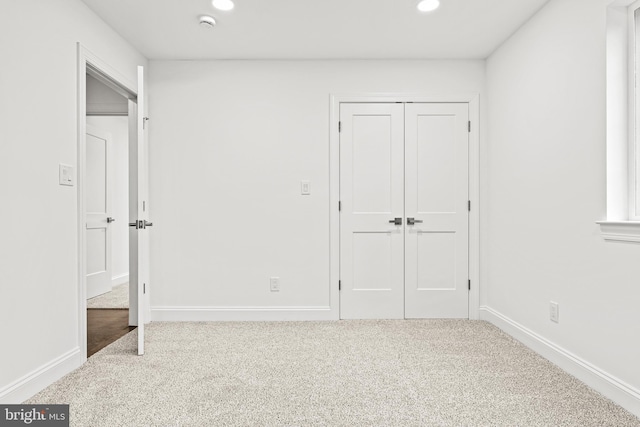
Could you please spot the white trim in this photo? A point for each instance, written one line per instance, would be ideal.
(474, 215)
(633, 99)
(473, 99)
(620, 231)
(119, 280)
(87, 59)
(615, 389)
(238, 314)
(40, 378)
(621, 110)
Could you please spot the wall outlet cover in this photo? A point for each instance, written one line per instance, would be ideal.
(274, 284)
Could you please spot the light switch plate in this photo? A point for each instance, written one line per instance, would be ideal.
(554, 311)
(66, 175)
(305, 188)
(274, 284)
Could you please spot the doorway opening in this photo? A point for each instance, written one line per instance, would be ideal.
(111, 202)
(107, 211)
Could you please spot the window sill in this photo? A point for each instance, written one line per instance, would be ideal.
(620, 231)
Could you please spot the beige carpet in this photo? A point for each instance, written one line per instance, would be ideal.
(118, 298)
(347, 373)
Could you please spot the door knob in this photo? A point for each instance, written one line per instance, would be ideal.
(140, 224)
(110, 220)
(413, 221)
(396, 221)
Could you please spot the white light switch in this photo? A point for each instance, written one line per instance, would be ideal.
(305, 188)
(554, 311)
(274, 284)
(66, 175)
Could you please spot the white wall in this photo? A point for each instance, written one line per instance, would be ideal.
(118, 127)
(39, 239)
(545, 170)
(231, 141)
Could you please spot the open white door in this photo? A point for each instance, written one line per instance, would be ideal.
(138, 219)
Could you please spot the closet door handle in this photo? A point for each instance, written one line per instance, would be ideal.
(396, 221)
(413, 221)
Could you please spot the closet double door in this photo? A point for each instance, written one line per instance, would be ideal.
(404, 217)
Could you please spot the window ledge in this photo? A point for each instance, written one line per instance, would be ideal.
(620, 231)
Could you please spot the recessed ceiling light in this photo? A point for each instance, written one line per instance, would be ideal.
(223, 4)
(207, 22)
(428, 5)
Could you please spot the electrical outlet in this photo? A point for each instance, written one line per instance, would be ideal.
(274, 284)
(554, 311)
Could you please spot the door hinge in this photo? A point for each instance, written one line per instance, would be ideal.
(339, 206)
(339, 285)
(469, 125)
(339, 126)
(469, 205)
(144, 122)
(144, 288)
(469, 284)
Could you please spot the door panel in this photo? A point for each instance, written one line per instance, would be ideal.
(98, 209)
(372, 261)
(371, 187)
(97, 247)
(96, 173)
(372, 164)
(436, 261)
(436, 152)
(437, 195)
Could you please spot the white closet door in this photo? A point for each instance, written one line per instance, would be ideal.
(372, 195)
(437, 194)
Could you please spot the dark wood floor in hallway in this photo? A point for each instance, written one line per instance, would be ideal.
(105, 326)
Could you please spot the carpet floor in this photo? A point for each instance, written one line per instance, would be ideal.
(118, 298)
(346, 373)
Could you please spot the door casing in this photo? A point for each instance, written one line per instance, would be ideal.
(473, 99)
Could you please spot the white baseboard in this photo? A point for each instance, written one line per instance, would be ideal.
(119, 280)
(37, 380)
(226, 314)
(615, 389)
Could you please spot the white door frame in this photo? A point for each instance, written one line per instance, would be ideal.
(473, 99)
(87, 61)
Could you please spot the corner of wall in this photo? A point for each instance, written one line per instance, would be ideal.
(611, 387)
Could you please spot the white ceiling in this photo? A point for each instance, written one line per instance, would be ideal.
(316, 29)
